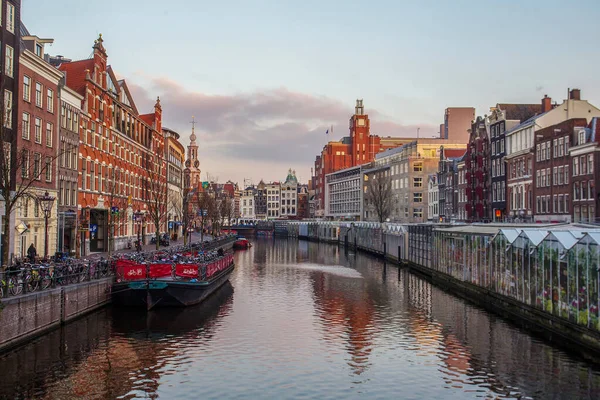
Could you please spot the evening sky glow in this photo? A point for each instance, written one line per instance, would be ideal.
(265, 79)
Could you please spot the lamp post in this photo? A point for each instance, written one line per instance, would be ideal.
(46, 201)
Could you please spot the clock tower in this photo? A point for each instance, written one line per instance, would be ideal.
(192, 164)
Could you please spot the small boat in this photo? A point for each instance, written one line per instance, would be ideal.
(168, 285)
(241, 244)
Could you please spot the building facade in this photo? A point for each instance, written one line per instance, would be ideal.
(289, 196)
(448, 183)
(457, 122)
(584, 154)
(503, 117)
(260, 201)
(175, 158)
(477, 173)
(344, 194)
(119, 150)
(520, 150)
(247, 204)
(552, 181)
(433, 213)
(360, 147)
(273, 205)
(68, 168)
(38, 144)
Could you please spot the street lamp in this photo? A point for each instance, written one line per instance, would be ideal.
(46, 201)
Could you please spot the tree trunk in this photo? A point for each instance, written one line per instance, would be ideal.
(6, 235)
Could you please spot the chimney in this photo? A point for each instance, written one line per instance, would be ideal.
(546, 103)
(575, 94)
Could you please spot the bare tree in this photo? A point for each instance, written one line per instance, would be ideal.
(379, 194)
(186, 213)
(204, 201)
(226, 210)
(19, 173)
(117, 205)
(156, 191)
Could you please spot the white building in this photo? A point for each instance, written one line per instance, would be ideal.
(343, 194)
(289, 196)
(247, 203)
(273, 200)
(433, 197)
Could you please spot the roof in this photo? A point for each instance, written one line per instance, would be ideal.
(75, 72)
(535, 236)
(148, 118)
(520, 112)
(526, 123)
(454, 153)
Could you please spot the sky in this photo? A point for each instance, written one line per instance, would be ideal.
(265, 79)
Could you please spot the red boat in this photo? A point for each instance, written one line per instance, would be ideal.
(242, 244)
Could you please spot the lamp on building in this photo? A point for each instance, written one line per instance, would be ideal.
(46, 201)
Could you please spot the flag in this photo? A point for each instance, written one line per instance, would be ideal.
(204, 185)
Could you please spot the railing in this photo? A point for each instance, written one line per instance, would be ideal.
(16, 281)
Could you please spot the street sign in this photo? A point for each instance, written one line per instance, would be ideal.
(22, 228)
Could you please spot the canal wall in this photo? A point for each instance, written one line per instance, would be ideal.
(470, 262)
(25, 317)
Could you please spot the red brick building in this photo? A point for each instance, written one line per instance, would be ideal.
(119, 149)
(357, 149)
(553, 183)
(37, 143)
(477, 174)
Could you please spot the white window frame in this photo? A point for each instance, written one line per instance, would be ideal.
(10, 17)
(9, 60)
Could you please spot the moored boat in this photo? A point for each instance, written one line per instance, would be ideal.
(242, 244)
(167, 284)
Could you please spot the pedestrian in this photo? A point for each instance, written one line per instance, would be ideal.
(31, 253)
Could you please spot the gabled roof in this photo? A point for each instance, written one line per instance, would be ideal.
(527, 122)
(520, 112)
(123, 85)
(148, 118)
(595, 129)
(75, 72)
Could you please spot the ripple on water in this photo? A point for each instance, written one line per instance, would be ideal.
(299, 321)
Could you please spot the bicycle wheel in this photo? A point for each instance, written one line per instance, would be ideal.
(15, 285)
(32, 283)
(46, 282)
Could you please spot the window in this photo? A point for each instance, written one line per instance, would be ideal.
(537, 152)
(590, 163)
(25, 164)
(417, 182)
(83, 175)
(36, 208)
(576, 191)
(38, 94)
(537, 178)
(49, 129)
(10, 17)
(566, 181)
(26, 127)
(48, 169)
(555, 179)
(37, 165)
(575, 166)
(50, 100)
(8, 103)
(418, 197)
(39, 50)
(418, 167)
(38, 130)
(561, 147)
(9, 56)
(417, 213)
(581, 137)
(26, 88)
(566, 145)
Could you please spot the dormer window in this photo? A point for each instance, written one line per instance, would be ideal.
(39, 50)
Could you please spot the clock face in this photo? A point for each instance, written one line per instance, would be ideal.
(187, 163)
(196, 163)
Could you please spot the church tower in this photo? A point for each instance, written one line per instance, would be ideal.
(192, 164)
(360, 135)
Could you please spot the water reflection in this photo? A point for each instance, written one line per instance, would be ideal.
(306, 320)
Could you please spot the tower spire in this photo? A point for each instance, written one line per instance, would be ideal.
(193, 135)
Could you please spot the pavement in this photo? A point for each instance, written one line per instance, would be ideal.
(147, 247)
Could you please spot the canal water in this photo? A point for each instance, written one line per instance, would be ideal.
(299, 320)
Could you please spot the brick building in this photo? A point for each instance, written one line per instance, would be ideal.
(477, 173)
(503, 117)
(357, 149)
(520, 150)
(37, 143)
(119, 150)
(448, 183)
(552, 184)
(175, 157)
(10, 34)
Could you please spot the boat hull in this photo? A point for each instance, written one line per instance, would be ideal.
(166, 293)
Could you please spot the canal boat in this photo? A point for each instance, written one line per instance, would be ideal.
(242, 244)
(165, 284)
